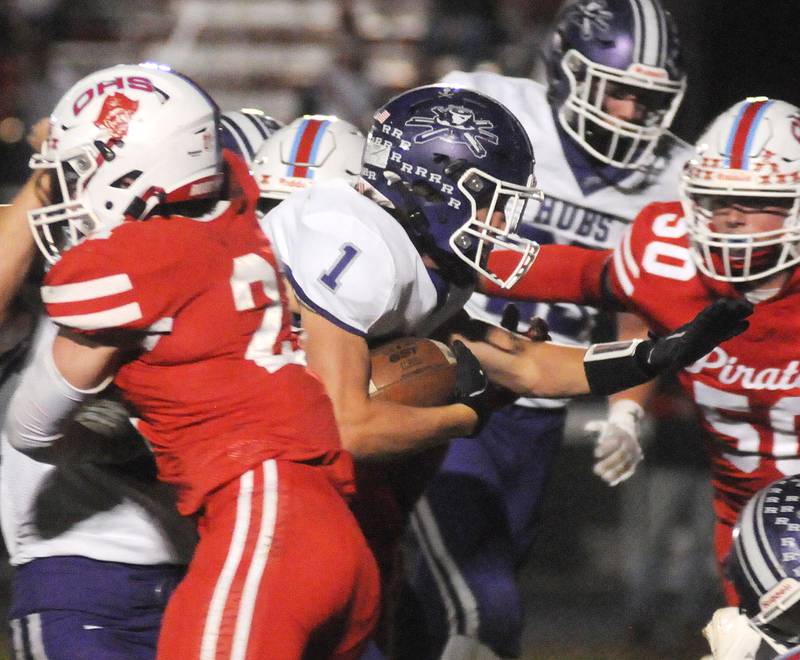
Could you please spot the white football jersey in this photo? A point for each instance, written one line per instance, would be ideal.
(591, 212)
(352, 262)
(85, 511)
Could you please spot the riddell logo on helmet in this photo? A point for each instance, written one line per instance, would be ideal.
(778, 593)
(648, 71)
(733, 175)
(137, 83)
(115, 115)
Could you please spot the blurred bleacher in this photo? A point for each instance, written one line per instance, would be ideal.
(270, 54)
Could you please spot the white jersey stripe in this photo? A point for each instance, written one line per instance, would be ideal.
(622, 275)
(108, 318)
(35, 638)
(436, 555)
(208, 647)
(266, 533)
(86, 290)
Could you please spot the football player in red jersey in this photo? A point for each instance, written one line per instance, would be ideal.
(162, 279)
(734, 234)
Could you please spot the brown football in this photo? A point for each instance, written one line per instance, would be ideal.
(413, 371)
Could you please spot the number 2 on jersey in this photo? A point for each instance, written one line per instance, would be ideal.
(263, 348)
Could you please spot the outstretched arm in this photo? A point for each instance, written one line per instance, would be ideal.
(553, 370)
(16, 241)
(561, 273)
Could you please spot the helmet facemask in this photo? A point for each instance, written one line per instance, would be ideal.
(475, 240)
(67, 220)
(745, 257)
(611, 140)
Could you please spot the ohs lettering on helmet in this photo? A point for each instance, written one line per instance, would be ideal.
(84, 98)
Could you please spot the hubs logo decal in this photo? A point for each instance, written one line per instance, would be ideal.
(458, 125)
(115, 115)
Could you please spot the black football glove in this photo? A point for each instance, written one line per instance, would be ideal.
(721, 320)
(472, 385)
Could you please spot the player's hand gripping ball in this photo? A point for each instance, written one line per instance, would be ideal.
(414, 372)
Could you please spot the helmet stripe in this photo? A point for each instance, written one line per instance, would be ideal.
(305, 146)
(239, 135)
(745, 545)
(741, 136)
(260, 123)
(638, 41)
(650, 33)
(756, 557)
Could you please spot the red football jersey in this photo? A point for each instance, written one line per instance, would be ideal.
(747, 389)
(219, 384)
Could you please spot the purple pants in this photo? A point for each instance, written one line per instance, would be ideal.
(473, 529)
(75, 608)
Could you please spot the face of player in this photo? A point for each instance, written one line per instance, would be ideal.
(748, 215)
(497, 221)
(632, 104)
(742, 216)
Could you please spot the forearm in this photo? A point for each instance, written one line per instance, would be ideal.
(41, 407)
(630, 326)
(381, 430)
(17, 247)
(541, 369)
(561, 273)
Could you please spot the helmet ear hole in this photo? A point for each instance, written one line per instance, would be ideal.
(126, 180)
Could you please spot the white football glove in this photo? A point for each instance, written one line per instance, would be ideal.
(731, 635)
(617, 450)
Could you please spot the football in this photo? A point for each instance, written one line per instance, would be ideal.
(413, 371)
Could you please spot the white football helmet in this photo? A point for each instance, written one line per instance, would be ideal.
(123, 140)
(310, 149)
(750, 152)
(245, 130)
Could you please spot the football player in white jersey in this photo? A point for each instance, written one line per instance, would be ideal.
(446, 176)
(603, 152)
(97, 545)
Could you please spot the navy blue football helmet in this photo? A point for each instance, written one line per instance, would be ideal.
(764, 564)
(450, 161)
(617, 49)
(245, 130)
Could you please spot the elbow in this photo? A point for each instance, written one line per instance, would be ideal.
(29, 440)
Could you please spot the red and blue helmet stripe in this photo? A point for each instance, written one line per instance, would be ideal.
(744, 129)
(305, 146)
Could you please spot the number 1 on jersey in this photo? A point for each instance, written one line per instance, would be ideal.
(330, 278)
